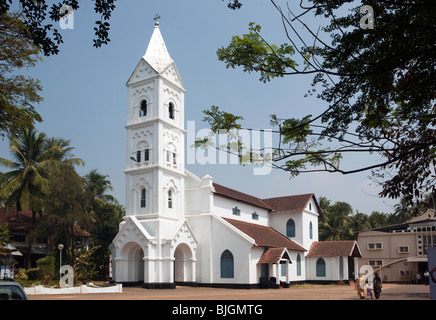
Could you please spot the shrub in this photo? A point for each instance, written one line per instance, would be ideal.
(46, 266)
(20, 274)
(34, 274)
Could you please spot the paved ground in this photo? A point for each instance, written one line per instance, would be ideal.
(390, 292)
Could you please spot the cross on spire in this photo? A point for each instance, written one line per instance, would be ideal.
(156, 19)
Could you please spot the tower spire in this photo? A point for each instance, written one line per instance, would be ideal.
(157, 54)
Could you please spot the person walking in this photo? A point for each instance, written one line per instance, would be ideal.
(377, 286)
(360, 286)
(426, 277)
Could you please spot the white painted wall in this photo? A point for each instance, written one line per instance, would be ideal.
(223, 207)
(332, 269)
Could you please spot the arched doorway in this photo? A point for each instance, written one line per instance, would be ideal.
(183, 264)
(134, 258)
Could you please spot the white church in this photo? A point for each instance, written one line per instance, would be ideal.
(186, 230)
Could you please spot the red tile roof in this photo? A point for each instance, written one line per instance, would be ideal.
(239, 196)
(334, 249)
(17, 222)
(295, 203)
(23, 221)
(273, 255)
(265, 236)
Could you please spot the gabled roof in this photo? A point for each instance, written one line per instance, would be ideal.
(139, 232)
(239, 196)
(291, 204)
(426, 216)
(21, 221)
(265, 236)
(334, 249)
(295, 203)
(274, 255)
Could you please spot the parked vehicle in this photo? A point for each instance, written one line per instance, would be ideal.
(11, 290)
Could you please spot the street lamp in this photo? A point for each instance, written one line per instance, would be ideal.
(60, 247)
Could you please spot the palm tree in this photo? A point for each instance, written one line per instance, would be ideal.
(402, 211)
(33, 157)
(26, 182)
(62, 151)
(333, 227)
(98, 185)
(334, 223)
(357, 222)
(377, 219)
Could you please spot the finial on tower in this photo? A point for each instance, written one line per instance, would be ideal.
(156, 19)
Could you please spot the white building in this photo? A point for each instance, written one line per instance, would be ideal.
(180, 228)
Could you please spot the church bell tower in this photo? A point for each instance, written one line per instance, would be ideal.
(155, 245)
(155, 138)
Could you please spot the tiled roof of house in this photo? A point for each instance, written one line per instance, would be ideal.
(265, 236)
(274, 255)
(23, 221)
(334, 249)
(240, 196)
(295, 203)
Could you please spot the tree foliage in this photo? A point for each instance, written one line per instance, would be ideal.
(338, 221)
(18, 93)
(27, 30)
(42, 178)
(39, 18)
(378, 87)
(27, 181)
(65, 208)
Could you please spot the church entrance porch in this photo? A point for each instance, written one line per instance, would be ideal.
(130, 265)
(278, 259)
(184, 265)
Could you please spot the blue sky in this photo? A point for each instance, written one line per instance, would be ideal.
(85, 95)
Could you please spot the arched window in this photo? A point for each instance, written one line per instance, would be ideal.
(227, 264)
(320, 267)
(170, 154)
(171, 110)
(142, 152)
(170, 199)
(298, 265)
(143, 203)
(143, 108)
(290, 228)
(310, 230)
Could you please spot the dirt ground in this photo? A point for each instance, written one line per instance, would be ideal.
(312, 292)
